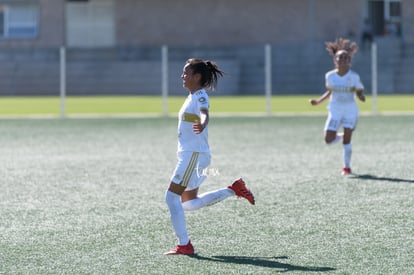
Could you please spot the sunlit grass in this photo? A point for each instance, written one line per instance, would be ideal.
(119, 105)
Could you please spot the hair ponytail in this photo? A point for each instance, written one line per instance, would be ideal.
(215, 73)
(208, 70)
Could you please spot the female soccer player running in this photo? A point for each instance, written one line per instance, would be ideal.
(194, 153)
(342, 84)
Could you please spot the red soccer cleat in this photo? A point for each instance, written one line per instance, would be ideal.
(346, 171)
(187, 249)
(239, 187)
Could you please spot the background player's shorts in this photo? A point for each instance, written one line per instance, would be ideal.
(345, 117)
(190, 171)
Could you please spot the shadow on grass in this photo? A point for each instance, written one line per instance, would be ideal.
(271, 262)
(372, 177)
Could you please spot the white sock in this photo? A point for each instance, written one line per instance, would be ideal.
(338, 138)
(347, 155)
(207, 199)
(177, 217)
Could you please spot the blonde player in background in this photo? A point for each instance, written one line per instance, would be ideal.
(342, 84)
(194, 153)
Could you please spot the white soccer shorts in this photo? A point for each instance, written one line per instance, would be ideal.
(345, 117)
(190, 171)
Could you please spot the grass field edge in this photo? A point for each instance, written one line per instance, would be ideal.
(174, 115)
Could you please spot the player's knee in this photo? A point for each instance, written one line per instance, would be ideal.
(192, 205)
(171, 198)
(328, 140)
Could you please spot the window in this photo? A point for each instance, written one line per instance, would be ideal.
(385, 17)
(395, 9)
(19, 20)
(392, 17)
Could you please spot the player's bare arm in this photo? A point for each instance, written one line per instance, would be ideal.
(315, 102)
(200, 125)
(360, 95)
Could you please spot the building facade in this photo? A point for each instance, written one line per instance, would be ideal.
(112, 23)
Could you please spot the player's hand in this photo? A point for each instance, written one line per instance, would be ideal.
(313, 102)
(361, 97)
(198, 127)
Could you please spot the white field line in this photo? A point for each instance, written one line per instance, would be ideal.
(218, 114)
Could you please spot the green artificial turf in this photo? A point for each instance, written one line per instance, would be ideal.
(86, 196)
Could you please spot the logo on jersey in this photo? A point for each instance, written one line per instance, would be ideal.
(202, 99)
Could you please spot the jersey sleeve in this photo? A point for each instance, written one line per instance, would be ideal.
(328, 83)
(202, 101)
(358, 83)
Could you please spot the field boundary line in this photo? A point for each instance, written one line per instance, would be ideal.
(213, 114)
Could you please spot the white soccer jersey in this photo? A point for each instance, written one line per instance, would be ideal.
(343, 88)
(189, 113)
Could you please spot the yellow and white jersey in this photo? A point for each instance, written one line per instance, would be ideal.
(189, 113)
(343, 88)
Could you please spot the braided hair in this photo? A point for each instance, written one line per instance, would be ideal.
(208, 70)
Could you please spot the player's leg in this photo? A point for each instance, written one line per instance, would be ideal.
(347, 151)
(332, 124)
(238, 188)
(191, 203)
(173, 200)
(332, 137)
(190, 198)
(347, 135)
(186, 167)
(350, 122)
